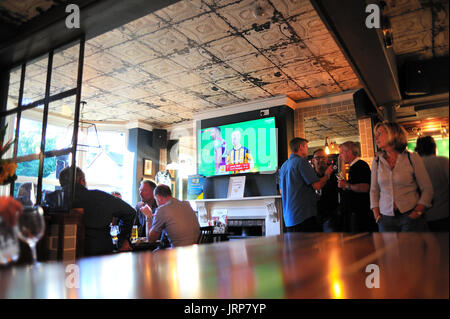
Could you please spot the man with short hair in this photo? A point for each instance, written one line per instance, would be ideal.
(356, 199)
(145, 208)
(328, 196)
(298, 183)
(99, 209)
(175, 217)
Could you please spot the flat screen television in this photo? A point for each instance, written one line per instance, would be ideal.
(244, 147)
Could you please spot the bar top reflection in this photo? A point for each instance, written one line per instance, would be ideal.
(333, 265)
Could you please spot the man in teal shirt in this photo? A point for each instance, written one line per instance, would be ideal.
(298, 183)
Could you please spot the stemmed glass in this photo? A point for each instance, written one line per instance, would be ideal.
(31, 227)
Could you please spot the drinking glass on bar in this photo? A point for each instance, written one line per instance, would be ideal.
(31, 227)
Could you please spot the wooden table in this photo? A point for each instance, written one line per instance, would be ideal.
(321, 265)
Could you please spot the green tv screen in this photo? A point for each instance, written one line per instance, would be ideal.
(245, 147)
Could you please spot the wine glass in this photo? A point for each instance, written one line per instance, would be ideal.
(31, 226)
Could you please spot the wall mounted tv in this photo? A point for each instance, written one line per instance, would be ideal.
(245, 147)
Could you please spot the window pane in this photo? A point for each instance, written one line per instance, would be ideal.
(35, 79)
(25, 187)
(10, 120)
(65, 69)
(50, 182)
(60, 124)
(30, 132)
(14, 88)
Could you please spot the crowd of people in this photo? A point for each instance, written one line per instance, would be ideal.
(404, 190)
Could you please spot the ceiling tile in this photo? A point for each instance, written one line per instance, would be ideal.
(131, 76)
(214, 72)
(308, 25)
(204, 28)
(182, 10)
(241, 15)
(104, 62)
(267, 76)
(109, 39)
(147, 24)
(230, 48)
(289, 53)
(185, 79)
(413, 42)
(231, 84)
(223, 99)
(314, 80)
(281, 87)
(162, 67)
(252, 94)
(302, 68)
(343, 74)
(321, 45)
(159, 87)
(323, 90)
(413, 22)
(250, 63)
(132, 93)
(205, 89)
(276, 35)
(193, 58)
(107, 83)
(165, 41)
(289, 8)
(132, 52)
(88, 72)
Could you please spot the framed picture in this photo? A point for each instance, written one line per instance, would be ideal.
(148, 164)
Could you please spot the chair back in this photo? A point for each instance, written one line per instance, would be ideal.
(206, 235)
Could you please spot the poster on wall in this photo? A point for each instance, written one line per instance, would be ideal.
(195, 187)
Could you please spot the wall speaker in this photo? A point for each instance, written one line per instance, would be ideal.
(159, 139)
(425, 77)
(363, 105)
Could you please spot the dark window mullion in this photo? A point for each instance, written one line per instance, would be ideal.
(76, 120)
(44, 127)
(19, 114)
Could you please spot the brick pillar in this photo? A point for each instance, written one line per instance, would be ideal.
(366, 138)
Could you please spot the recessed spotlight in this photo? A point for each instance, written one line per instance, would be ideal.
(214, 88)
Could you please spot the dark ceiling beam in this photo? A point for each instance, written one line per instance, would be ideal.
(364, 49)
(49, 30)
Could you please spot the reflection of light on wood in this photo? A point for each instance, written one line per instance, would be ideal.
(188, 272)
(335, 276)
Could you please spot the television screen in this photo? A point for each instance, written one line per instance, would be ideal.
(245, 147)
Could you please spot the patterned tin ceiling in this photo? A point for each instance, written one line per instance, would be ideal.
(199, 55)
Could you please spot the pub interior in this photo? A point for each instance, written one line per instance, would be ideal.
(134, 92)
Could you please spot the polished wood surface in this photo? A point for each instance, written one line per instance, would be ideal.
(333, 265)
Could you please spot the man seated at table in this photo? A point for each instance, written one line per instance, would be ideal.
(99, 210)
(146, 207)
(175, 217)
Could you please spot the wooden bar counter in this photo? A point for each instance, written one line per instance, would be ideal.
(301, 265)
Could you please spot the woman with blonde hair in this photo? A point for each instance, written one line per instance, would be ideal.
(400, 188)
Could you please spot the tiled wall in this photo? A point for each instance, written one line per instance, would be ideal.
(366, 138)
(364, 125)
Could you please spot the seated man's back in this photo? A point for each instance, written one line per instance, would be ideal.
(99, 210)
(179, 221)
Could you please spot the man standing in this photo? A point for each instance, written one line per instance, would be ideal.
(145, 208)
(298, 183)
(328, 196)
(99, 210)
(356, 200)
(437, 168)
(175, 217)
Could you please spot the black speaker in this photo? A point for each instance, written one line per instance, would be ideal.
(363, 105)
(425, 77)
(159, 138)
